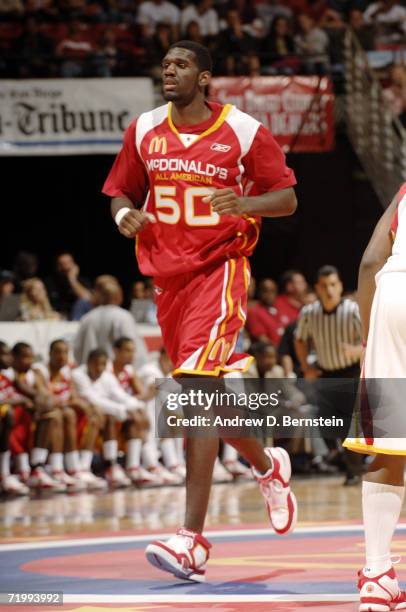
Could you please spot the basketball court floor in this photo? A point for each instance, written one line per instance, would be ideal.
(91, 547)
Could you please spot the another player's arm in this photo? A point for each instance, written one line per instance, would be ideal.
(281, 203)
(374, 257)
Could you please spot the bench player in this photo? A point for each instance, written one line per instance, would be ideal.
(204, 174)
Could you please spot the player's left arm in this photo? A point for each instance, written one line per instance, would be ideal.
(265, 166)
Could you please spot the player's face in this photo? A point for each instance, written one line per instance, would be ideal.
(5, 358)
(96, 367)
(24, 361)
(181, 79)
(59, 355)
(329, 290)
(125, 354)
(268, 292)
(266, 360)
(298, 285)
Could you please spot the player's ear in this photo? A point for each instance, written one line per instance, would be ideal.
(204, 78)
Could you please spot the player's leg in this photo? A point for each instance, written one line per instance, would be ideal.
(48, 435)
(114, 474)
(382, 497)
(64, 446)
(9, 483)
(90, 423)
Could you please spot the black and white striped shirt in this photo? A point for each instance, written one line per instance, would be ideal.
(329, 330)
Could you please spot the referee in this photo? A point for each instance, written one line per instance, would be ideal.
(332, 326)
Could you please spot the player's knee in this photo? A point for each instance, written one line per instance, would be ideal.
(69, 417)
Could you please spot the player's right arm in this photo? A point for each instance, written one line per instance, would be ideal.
(127, 184)
(375, 255)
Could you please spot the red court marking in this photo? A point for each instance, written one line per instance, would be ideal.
(203, 607)
(295, 560)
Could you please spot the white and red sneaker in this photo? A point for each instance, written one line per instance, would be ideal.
(116, 477)
(39, 479)
(381, 593)
(12, 485)
(164, 476)
(142, 477)
(237, 469)
(184, 555)
(275, 487)
(73, 484)
(92, 482)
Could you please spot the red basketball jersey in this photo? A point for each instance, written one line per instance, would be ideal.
(172, 168)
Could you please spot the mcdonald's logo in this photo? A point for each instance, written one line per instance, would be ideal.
(158, 145)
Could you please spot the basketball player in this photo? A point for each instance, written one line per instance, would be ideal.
(382, 301)
(203, 174)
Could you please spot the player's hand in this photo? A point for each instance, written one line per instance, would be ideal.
(134, 222)
(226, 202)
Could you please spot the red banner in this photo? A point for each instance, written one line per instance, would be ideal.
(298, 110)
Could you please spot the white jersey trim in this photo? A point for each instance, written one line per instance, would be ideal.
(147, 122)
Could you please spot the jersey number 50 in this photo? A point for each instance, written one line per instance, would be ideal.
(169, 211)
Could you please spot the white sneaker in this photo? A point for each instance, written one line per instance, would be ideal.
(116, 477)
(380, 593)
(11, 484)
(73, 484)
(275, 487)
(184, 555)
(166, 478)
(179, 471)
(142, 477)
(39, 479)
(220, 474)
(237, 469)
(92, 482)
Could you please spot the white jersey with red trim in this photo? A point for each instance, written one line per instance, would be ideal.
(397, 260)
(28, 377)
(59, 385)
(173, 168)
(7, 390)
(124, 377)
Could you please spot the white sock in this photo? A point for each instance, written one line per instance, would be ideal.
(22, 463)
(86, 457)
(39, 456)
(56, 461)
(149, 454)
(169, 455)
(5, 464)
(180, 450)
(133, 459)
(229, 453)
(110, 448)
(72, 461)
(381, 505)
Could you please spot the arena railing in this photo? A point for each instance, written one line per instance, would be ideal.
(378, 138)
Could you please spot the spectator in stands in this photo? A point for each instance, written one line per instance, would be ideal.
(9, 301)
(278, 49)
(312, 45)
(265, 364)
(193, 32)
(75, 52)
(25, 266)
(107, 57)
(158, 46)
(264, 321)
(294, 291)
(42, 10)
(152, 12)
(363, 31)
(69, 291)
(394, 93)
(204, 15)
(34, 304)
(237, 49)
(107, 322)
(36, 51)
(246, 10)
(268, 10)
(389, 19)
(11, 9)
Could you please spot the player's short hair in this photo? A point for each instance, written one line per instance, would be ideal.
(326, 271)
(202, 54)
(3, 346)
(119, 343)
(55, 342)
(287, 277)
(19, 347)
(261, 347)
(96, 353)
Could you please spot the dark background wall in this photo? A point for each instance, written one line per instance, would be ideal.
(54, 203)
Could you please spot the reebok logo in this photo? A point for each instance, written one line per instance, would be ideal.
(222, 148)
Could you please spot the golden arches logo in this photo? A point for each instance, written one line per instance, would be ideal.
(158, 145)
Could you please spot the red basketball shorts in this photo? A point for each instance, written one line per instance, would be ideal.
(21, 434)
(201, 314)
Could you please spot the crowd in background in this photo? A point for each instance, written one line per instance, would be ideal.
(98, 392)
(80, 38)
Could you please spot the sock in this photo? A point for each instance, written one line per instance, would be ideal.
(110, 450)
(381, 505)
(180, 450)
(22, 463)
(133, 453)
(86, 457)
(169, 455)
(38, 456)
(72, 461)
(56, 461)
(5, 464)
(149, 455)
(229, 453)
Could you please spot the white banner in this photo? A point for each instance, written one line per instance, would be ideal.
(69, 116)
